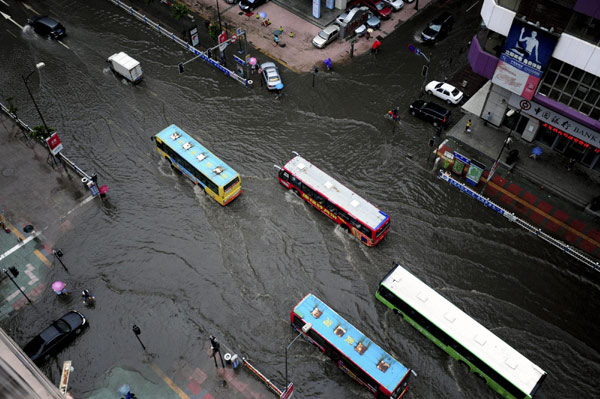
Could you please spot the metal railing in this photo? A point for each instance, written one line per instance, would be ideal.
(202, 55)
(567, 249)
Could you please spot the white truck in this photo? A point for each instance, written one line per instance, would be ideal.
(126, 66)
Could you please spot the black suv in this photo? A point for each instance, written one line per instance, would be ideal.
(431, 112)
(47, 26)
(438, 28)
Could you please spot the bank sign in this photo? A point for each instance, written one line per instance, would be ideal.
(527, 51)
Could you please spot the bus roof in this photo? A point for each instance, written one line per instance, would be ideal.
(197, 155)
(327, 323)
(496, 353)
(355, 205)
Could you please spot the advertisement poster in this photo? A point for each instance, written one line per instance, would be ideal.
(527, 51)
(459, 163)
(329, 4)
(316, 8)
(474, 173)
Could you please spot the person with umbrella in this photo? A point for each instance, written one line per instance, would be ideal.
(59, 288)
(535, 153)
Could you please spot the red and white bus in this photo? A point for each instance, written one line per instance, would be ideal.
(355, 214)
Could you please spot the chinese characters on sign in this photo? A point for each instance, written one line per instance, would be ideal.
(527, 51)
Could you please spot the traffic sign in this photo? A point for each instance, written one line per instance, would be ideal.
(233, 38)
(54, 144)
(411, 48)
(417, 51)
(222, 37)
(239, 31)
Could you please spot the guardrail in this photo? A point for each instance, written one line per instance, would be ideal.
(445, 176)
(202, 55)
(85, 178)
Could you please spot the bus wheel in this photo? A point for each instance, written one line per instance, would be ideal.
(465, 365)
(346, 228)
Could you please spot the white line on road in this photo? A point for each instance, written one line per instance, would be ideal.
(63, 44)
(85, 201)
(474, 4)
(7, 5)
(6, 16)
(27, 6)
(19, 245)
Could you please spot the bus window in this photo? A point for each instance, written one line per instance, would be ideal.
(284, 175)
(319, 199)
(295, 181)
(308, 191)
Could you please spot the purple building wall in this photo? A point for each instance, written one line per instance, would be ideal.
(568, 112)
(481, 62)
(588, 7)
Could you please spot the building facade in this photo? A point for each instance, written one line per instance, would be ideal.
(543, 58)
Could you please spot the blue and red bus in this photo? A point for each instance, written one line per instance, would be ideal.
(351, 350)
(355, 214)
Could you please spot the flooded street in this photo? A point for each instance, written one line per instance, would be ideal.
(162, 255)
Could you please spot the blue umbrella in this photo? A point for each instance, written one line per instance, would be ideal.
(262, 14)
(279, 86)
(536, 151)
(123, 390)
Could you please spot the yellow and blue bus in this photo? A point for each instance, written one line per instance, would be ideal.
(217, 179)
(351, 350)
(504, 369)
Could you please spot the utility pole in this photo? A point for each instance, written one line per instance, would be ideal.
(15, 273)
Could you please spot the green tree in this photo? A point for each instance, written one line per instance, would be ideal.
(12, 108)
(180, 10)
(39, 132)
(213, 31)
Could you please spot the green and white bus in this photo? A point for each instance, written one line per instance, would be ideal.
(502, 367)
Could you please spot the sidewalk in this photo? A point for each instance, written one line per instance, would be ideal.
(540, 191)
(299, 54)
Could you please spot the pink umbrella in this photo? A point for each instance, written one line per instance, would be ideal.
(103, 189)
(58, 286)
(252, 61)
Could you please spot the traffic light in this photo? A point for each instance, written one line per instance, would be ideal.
(13, 270)
(180, 66)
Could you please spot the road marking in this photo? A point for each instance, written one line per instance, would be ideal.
(6, 16)
(42, 257)
(32, 277)
(474, 4)
(67, 47)
(280, 61)
(27, 6)
(169, 382)
(85, 201)
(19, 245)
(7, 5)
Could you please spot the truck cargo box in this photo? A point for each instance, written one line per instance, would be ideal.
(126, 66)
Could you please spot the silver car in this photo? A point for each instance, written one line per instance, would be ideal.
(326, 36)
(395, 5)
(271, 76)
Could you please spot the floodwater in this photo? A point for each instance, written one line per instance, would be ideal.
(162, 255)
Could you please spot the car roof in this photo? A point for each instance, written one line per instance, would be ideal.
(268, 65)
(47, 21)
(437, 108)
(331, 28)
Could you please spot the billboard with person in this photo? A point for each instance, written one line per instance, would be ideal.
(527, 51)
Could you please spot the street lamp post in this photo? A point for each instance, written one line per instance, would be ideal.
(219, 16)
(38, 66)
(510, 113)
(305, 329)
(136, 330)
(15, 273)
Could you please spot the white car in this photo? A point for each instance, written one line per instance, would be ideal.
(326, 36)
(396, 5)
(445, 91)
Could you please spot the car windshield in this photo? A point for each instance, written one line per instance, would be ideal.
(435, 27)
(324, 35)
(380, 6)
(62, 326)
(455, 92)
(437, 86)
(273, 78)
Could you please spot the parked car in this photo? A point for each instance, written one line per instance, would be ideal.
(46, 26)
(250, 5)
(431, 112)
(271, 75)
(395, 5)
(56, 336)
(326, 36)
(379, 8)
(438, 28)
(373, 21)
(445, 91)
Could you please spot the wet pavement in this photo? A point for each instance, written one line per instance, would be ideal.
(161, 255)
